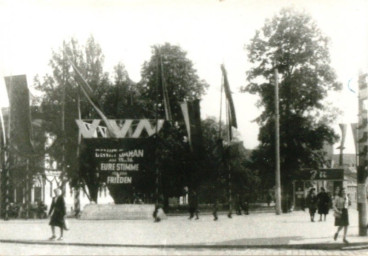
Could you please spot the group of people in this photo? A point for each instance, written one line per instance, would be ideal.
(34, 210)
(239, 206)
(322, 202)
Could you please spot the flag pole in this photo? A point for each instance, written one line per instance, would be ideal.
(7, 159)
(277, 137)
(63, 120)
(228, 117)
(5, 169)
(156, 117)
(77, 188)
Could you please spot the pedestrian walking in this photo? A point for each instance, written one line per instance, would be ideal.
(57, 213)
(323, 204)
(158, 213)
(269, 199)
(238, 204)
(193, 205)
(215, 209)
(312, 203)
(340, 207)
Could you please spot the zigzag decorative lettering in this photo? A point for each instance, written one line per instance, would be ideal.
(127, 128)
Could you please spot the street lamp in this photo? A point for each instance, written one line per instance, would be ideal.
(277, 143)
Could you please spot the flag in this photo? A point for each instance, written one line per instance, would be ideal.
(343, 135)
(354, 127)
(88, 93)
(165, 94)
(232, 116)
(192, 118)
(3, 134)
(20, 114)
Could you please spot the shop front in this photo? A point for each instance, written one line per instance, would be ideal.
(329, 179)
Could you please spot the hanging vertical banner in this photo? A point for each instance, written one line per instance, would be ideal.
(354, 127)
(192, 118)
(343, 135)
(20, 114)
(232, 116)
(117, 161)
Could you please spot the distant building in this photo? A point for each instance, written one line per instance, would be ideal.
(348, 160)
(329, 176)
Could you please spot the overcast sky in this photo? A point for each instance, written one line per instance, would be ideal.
(212, 32)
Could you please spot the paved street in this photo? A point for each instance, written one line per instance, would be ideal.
(262, 234)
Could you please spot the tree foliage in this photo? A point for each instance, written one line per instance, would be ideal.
(220, 158)
(291, 43)
(169, 67)
(179, 76)
(89, 59)
(121, 98)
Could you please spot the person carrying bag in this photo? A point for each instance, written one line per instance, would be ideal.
(340, 207)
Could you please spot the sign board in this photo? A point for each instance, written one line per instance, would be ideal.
(118, 161)
(321, 174)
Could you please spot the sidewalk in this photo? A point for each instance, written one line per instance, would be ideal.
(261, 230)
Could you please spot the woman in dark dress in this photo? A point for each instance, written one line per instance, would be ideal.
(57, 213)
(312, 203)
(340, 206)
(323, 204)
(193, 205)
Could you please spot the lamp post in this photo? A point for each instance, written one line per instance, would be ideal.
(277, 143)
(363, 155)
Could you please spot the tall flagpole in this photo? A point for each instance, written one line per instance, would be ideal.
(63, 120)
(156, 117)
(77, 188)
(8, 159)
(228, 157)
(5, 171)
(363, 158)
(277, 137)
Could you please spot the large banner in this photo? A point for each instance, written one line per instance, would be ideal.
(20, 114)
(118, 161)
(192, 117)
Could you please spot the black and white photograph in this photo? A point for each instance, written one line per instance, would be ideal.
(184, 127)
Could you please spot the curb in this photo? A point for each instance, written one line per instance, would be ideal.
(324, 247)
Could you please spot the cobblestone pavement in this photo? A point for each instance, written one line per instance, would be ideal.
(255, 234)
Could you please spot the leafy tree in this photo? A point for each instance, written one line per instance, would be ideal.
(291, 43)
(89, 59)
(214, 179)
(122, 96)
(170, 66)
(179, 76)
